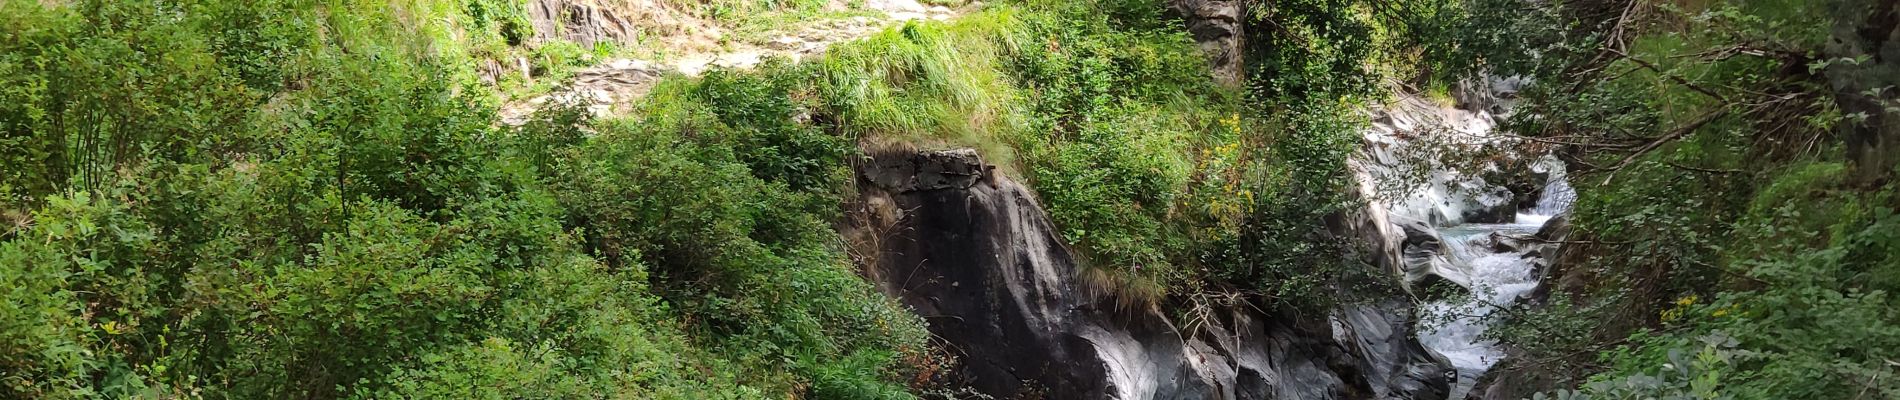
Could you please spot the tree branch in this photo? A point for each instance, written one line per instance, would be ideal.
(1678, 79)
(1708, 170)
(1673, 135)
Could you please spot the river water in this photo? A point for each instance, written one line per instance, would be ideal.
(1498, 277)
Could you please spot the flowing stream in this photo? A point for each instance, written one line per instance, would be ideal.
(1501, 271)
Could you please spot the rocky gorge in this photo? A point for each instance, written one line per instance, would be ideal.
(974, 254)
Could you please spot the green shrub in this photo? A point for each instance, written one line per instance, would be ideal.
(291, 199)
(1732, 255)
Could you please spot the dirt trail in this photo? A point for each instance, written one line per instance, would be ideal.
(607, 89)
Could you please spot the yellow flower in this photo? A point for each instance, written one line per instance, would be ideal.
(1686, 300)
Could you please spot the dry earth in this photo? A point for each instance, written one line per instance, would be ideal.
(607, 88)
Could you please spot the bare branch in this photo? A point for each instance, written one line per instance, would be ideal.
(1678, 79)
(1708, 170)
(1677, 133)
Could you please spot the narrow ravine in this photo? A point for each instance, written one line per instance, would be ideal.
(1502, 267)
(1467, 240)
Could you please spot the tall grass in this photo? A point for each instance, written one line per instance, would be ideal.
(1138, 158)
(930, 84)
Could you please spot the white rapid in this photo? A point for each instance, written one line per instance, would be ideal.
(1501, 269)
(1447, 221)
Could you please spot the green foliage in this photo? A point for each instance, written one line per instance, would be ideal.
(1306, 51)
(777, 148)
(929, 84)
(89, 92)
(730, 200)
(1114, 137)
(1167, 184)
(1700, 375)
(1277, 247)
(310, 198)
(1732, 256)
(303, 199)
(1098, 115)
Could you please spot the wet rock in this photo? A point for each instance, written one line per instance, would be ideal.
(1428, 272)
(1388, 163)
(1492, 94)
(1513, 378)
(1434, 287)
(976, 256)
(1473, 94)
(1418, 234)
(1489, 205)
(1553, 233)
(1501, 243)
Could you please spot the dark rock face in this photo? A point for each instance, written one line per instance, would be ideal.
(1423, 260)
(1216, 25)
(976, 257)
(1481, 213)
(933, 170)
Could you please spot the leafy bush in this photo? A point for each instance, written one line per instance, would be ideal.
(212, 199)
(1719, 202)
(260, 199)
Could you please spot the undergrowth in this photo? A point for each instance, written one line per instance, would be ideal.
(1168, 184)
(1729, 242)
(310, 198)
(320, 205)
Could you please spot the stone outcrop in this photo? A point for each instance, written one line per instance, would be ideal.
(933, 170)
(1397, 161)
(578, 22)
(1426, 271)
(974, 254)
(1413, 198)
(1491, 94)
(1216, 26)
(1869, 30)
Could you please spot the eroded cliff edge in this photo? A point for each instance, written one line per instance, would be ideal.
(973, 253)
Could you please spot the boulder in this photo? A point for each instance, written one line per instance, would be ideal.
(1216, 26)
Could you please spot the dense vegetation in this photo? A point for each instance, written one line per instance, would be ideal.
(1736, 234)
(311, 199)
(236, 199)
